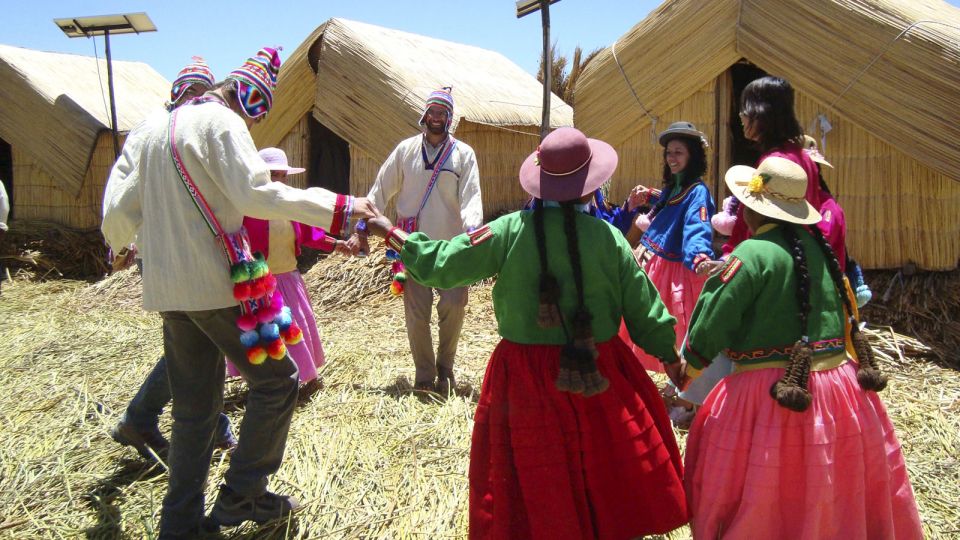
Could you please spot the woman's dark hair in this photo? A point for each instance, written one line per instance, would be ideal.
(695, 169)
(578, 369)
(791, 390)
(768, 103)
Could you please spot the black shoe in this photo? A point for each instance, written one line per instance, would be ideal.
(232, 509)
(424, 386)
(446, 382)
(141, 440)
(226, 440)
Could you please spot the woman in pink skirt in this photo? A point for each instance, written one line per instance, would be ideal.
(280, 241)
(678, 235)
(796, 442)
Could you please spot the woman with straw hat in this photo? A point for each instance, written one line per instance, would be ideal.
(570, 437)
(796, 442)
(280, 241)
(677, 230)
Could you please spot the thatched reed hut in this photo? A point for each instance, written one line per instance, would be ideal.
(877, 80)
(56, 149)
(351, 91)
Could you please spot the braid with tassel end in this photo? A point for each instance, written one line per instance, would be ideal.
(868, 371)
(791, 390)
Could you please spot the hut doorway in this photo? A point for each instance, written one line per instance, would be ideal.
(329, 159)
(742, 151)
(6, 171)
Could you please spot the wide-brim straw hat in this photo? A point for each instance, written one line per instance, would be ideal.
(682, 129)
(810, 147)
(775, 189)
(567, 165)
(276, 160)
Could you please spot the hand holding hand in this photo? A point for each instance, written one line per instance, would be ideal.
(638, 197)
(364, 208)
(379, 226)
(677, 372)
(124, 259)
(708, 267)
(354, 246)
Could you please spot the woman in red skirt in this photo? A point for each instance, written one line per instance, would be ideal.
(571, 439)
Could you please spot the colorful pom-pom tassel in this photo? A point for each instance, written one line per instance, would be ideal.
(292, 335)
(269, 332)
(239, 273)
(256, 355)
(276, 349)
(269, 283)
(400, 276)
(392, 255)
(250, 338)
(396, 288)
(283, 320)
(246, 322)
(256, 289)
(241, 291)
(267, 315)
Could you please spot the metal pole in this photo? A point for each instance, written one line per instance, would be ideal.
(547, 68)
(113, 104)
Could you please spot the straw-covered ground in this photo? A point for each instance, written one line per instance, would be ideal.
(366, 457)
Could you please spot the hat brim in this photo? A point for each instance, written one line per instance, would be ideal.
(802, 212)
(568, 187)
(670, 134)
(288, 169)
(818, 158)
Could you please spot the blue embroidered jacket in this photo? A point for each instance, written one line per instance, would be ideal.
(681, 230)
(618, 216)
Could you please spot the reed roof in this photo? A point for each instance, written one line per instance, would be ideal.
(842, 53)
(368, 84)
(62, 104)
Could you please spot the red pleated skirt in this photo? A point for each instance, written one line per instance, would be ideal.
(550, 464)
(758, 470)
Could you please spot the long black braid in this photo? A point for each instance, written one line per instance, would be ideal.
(548, 315)
(868, 372)
(791, 390)
(578, 366)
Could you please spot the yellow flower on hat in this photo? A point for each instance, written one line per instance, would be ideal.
(758, 183)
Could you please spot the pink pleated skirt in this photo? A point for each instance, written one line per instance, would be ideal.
(308, 354)
(679, 288)
(757, 470)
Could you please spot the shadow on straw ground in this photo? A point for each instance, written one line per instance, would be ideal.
(105, 496)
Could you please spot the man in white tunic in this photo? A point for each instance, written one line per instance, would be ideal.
(186, 278)
(436, 182)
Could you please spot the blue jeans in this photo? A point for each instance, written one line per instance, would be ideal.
(194, 344)
(143, 411)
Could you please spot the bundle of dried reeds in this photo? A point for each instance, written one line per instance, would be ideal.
(925, 304)
(41, 250)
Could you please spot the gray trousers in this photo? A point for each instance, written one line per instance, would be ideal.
(418, 304)
(194, 344)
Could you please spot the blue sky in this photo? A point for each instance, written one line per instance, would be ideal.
(226, 32)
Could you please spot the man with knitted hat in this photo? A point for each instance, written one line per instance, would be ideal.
(139, 426)
(206, 145)
(436, 183)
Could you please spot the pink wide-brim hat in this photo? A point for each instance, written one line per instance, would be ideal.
(567, 165)
(276, 160)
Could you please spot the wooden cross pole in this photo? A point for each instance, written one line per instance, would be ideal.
(526, 7)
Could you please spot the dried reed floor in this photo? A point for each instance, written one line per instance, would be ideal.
(368, 458)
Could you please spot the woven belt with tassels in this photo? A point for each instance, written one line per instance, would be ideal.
(819, 363)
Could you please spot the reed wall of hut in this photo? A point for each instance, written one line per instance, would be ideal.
(40, 196)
